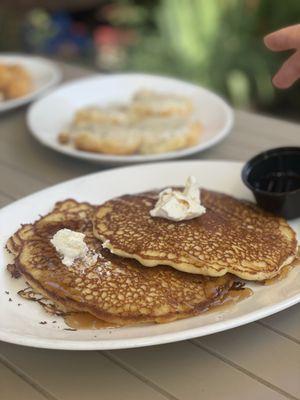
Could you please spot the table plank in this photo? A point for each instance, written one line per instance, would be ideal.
(188, 373)
(20, 150)
(253, 133)
(29, 156)
(21, 389)
(5, 199)
(16, 183)
(260, 351)
(78, 375)
(286, 323)
(73, 71)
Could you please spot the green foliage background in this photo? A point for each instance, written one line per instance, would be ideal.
(218, 43)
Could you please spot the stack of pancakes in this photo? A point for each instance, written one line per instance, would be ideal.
(147, 269)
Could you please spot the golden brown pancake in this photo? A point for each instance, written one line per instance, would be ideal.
(74, 216)
(232, 236)
(113, 289)
(69, 214)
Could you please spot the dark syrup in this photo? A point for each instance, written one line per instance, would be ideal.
(279, 182)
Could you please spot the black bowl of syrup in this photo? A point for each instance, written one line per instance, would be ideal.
(274, 178)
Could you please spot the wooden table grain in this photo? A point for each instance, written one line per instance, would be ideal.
(257, 361)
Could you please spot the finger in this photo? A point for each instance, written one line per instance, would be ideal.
(288, 73)
(284, 39)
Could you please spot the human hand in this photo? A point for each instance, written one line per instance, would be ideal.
(286, 39)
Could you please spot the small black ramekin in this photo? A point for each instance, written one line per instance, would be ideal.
(274, 178)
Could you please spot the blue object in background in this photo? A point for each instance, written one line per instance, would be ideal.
(56, 34)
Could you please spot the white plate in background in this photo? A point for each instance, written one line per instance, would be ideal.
(50, 115)
(20, 324)
(44, 73)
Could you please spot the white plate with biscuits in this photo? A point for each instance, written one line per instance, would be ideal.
(128, 118)
(26, 323)
(24, 78)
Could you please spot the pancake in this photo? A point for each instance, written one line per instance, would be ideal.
(67, 211)
(233, 236)
(69, 214)
(114, 289)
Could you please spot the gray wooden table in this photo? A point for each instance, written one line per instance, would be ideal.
(257, 361)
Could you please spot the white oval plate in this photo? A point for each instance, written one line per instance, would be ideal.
(45, 74)
(20, 324)
(50, 115)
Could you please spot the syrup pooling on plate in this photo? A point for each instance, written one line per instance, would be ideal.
(86, 321)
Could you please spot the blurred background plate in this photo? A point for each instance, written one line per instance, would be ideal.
(45, 74)
(50, 115)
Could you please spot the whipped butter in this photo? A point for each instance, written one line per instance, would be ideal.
(70, 245)
(179, 206)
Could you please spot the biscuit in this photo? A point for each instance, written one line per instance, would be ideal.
(149, 103)
(162, 135)
(108, 140)
(96, 115)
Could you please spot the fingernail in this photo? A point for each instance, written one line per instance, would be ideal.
(279, 83)
(266, 39)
